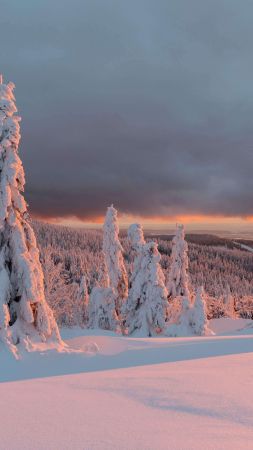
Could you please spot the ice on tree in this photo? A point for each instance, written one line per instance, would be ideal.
(114, 260)
(147, 301)
(178, 279)
(24, 311)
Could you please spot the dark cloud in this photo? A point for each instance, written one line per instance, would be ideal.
(146, 104)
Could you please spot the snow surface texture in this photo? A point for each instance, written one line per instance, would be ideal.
(22, 299)
(152, 393)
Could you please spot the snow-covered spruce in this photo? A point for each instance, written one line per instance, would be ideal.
(136, 239)
(103, 277)
(102, 304)
(180, 323)
(24, 313)
(147, 301)
(189, 319)
(114, 260)
(101, 310)
(136, 236)
(178, 279)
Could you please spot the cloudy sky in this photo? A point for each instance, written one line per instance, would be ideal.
(146, 104)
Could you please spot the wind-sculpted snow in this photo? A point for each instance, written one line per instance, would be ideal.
(132, 394)
(111, 351)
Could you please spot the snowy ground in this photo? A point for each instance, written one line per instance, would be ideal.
(134, 394)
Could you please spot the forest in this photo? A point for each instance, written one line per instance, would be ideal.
(67, 254)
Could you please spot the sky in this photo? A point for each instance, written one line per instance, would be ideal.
(144, 104)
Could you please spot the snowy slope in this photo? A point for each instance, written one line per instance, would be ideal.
(135, 394)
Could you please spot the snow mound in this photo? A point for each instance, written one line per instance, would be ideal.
(125, 396)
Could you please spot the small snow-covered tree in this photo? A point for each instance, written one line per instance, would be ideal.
(178, 279)
(199, 320)
(229, 303)
(101, 310)
(114, 260)
(189, 318)
(180, 323)
(23, 304)
(147, 301)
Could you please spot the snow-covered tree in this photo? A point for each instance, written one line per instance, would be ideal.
(180, 323)
(188, 318)
(22, 300)
(114, 260)
(136, 236)
(229, 303)
(101, 310)
(147, 301)
(103, 277)
(199, 320)
(178, 279)
(137, 241)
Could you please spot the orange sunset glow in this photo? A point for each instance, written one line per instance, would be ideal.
(192, 223)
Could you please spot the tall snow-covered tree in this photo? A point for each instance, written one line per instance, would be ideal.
(147, 301)
(22, 299)
(136, 240)
(114, 260)
(178, 278)
(199, 320)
